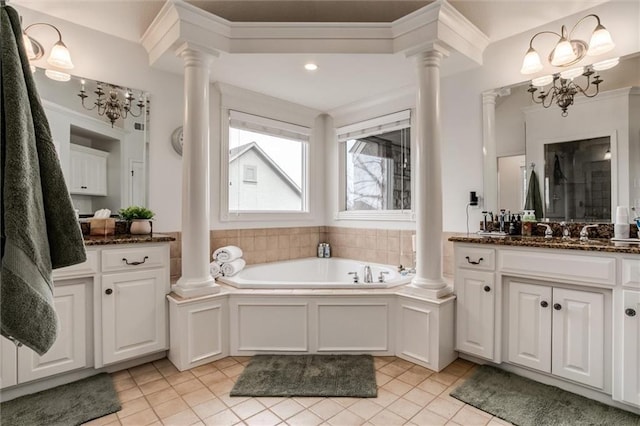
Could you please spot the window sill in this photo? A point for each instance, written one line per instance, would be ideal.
(388, 215)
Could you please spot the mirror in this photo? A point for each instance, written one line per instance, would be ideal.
(581, 139)
(104, 163)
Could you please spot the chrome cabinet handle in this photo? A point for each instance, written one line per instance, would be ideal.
(125, 260)
(630, 312)
(472, 262)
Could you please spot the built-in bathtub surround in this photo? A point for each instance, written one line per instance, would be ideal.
(262, 245)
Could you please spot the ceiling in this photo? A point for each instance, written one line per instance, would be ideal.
(358, 76)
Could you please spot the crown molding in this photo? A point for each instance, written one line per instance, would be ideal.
(179, 22)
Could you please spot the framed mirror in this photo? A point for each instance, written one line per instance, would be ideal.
(523, 128)
(103, 153)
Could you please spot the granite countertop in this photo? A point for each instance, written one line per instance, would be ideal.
(93, 240)
(594, 244)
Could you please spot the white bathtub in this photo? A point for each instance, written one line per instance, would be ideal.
(314, 273)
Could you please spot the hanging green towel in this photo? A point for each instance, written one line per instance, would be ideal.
(39, 228)
(534, 201)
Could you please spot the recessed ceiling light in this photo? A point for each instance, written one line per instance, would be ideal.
(310, 67)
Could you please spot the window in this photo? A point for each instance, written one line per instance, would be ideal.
(279, 151)
(377, 164)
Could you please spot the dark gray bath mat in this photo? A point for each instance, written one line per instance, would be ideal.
(525, 402)
(71, 404)
(308, 375)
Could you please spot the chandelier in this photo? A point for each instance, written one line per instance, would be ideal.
(109, 103)
(569, 51)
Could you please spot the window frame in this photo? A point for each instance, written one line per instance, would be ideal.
(229, 215)
(364, 129)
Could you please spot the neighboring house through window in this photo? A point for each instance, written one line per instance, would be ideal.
(267, 162)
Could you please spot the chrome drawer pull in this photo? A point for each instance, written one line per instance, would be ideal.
(124, 259)
(472, 262)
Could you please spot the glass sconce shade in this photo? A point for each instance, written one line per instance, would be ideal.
(28, 46)
(531, 63)
(605, 65)
(60, 56)
(601, 42)
(57, 75)
(542, 81)
(572, 73)
(563, 53)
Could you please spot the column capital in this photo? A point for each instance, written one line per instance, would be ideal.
(196, 55)
(490, 96)
(429, 50)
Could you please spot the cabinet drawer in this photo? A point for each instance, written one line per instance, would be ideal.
(631, 272)
(86, 268)
(559, 266)
(475, 258)
(127, 259)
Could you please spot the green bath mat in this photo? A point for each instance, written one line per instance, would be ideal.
(71, 404)
(525, 402)
(308, 375)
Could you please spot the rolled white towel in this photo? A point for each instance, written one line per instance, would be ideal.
(215, 269)
(227, 254)
(232, 268)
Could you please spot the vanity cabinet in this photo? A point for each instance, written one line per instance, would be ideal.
(88, 171)
(557, 330)
(133, 297)
(476, 300)
(70, 350)
(630, 336)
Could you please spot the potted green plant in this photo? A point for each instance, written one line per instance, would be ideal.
(139, 217)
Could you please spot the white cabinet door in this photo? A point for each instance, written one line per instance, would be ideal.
(88, 171)
(475, 320)
(133, 314)
(578, 336)
(97, 174)
(69, 352)
(631, 347)
(530, 325)
(8, 363)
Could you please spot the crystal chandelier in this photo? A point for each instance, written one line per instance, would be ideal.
(567, 52)
(109, 103)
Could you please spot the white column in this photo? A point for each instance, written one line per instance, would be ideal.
(196, 279)
(490, 166)
(428, 186)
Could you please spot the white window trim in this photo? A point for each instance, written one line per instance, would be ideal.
(227, 215)
(370, 127)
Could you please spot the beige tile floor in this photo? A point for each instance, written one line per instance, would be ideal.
(408, 394)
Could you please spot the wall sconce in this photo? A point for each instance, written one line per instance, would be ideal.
(567, 52)
(112, 105)
(59, 57)
(607, 154)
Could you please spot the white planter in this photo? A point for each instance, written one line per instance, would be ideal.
(140, 226)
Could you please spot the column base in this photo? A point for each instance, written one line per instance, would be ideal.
(188, 288)
(430, 293)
